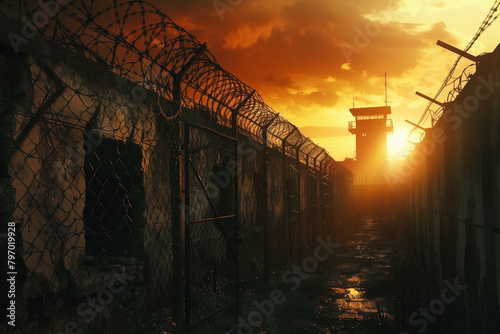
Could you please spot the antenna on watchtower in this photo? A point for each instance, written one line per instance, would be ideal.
(385, 84)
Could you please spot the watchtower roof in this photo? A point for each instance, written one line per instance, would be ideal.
(385, 110)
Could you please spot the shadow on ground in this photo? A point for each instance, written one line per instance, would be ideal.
(356, 290)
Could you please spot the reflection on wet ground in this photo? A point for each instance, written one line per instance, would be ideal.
(354, 291)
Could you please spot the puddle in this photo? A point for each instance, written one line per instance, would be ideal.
(353, 294)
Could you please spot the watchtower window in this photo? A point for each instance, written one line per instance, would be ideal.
(368, 117)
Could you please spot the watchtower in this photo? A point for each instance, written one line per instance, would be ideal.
(371, 128)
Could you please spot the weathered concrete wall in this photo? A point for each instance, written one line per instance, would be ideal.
(47, 175)
(60, 103)
(447, 196)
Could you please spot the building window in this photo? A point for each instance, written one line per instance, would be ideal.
(363, 134)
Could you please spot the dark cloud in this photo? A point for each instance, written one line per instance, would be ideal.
(264, 42)
(281, 82)
(293, 51)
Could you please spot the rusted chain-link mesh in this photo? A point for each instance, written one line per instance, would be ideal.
(93, 100)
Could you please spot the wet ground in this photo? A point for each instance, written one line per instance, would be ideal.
(356, 290)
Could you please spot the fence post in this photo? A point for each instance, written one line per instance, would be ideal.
(336, 196)
(180, 213)
(286, 195)
(324, 203)
(319, 202)
(175, 193)
(309, 192)
(327, 197)
(265, 165)
(234, 124)
(332, 191)
(299, 198)
(266, 203)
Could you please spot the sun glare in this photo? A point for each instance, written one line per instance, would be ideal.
(396, 145)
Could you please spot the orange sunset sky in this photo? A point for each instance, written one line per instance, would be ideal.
(291, 53)
(309, 59)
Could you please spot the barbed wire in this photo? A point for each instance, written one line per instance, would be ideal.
(492, 15)
(137, 41)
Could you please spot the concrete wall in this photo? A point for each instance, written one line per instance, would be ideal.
(55, 106)
(46, 175)
(447, 197)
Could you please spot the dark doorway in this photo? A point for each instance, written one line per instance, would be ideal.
(114, 203)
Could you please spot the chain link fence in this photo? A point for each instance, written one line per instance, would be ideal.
(148, 186)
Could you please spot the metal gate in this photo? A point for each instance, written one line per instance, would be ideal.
(211, 230)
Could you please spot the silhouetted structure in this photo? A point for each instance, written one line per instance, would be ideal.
(447, 195)
(371, 126)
